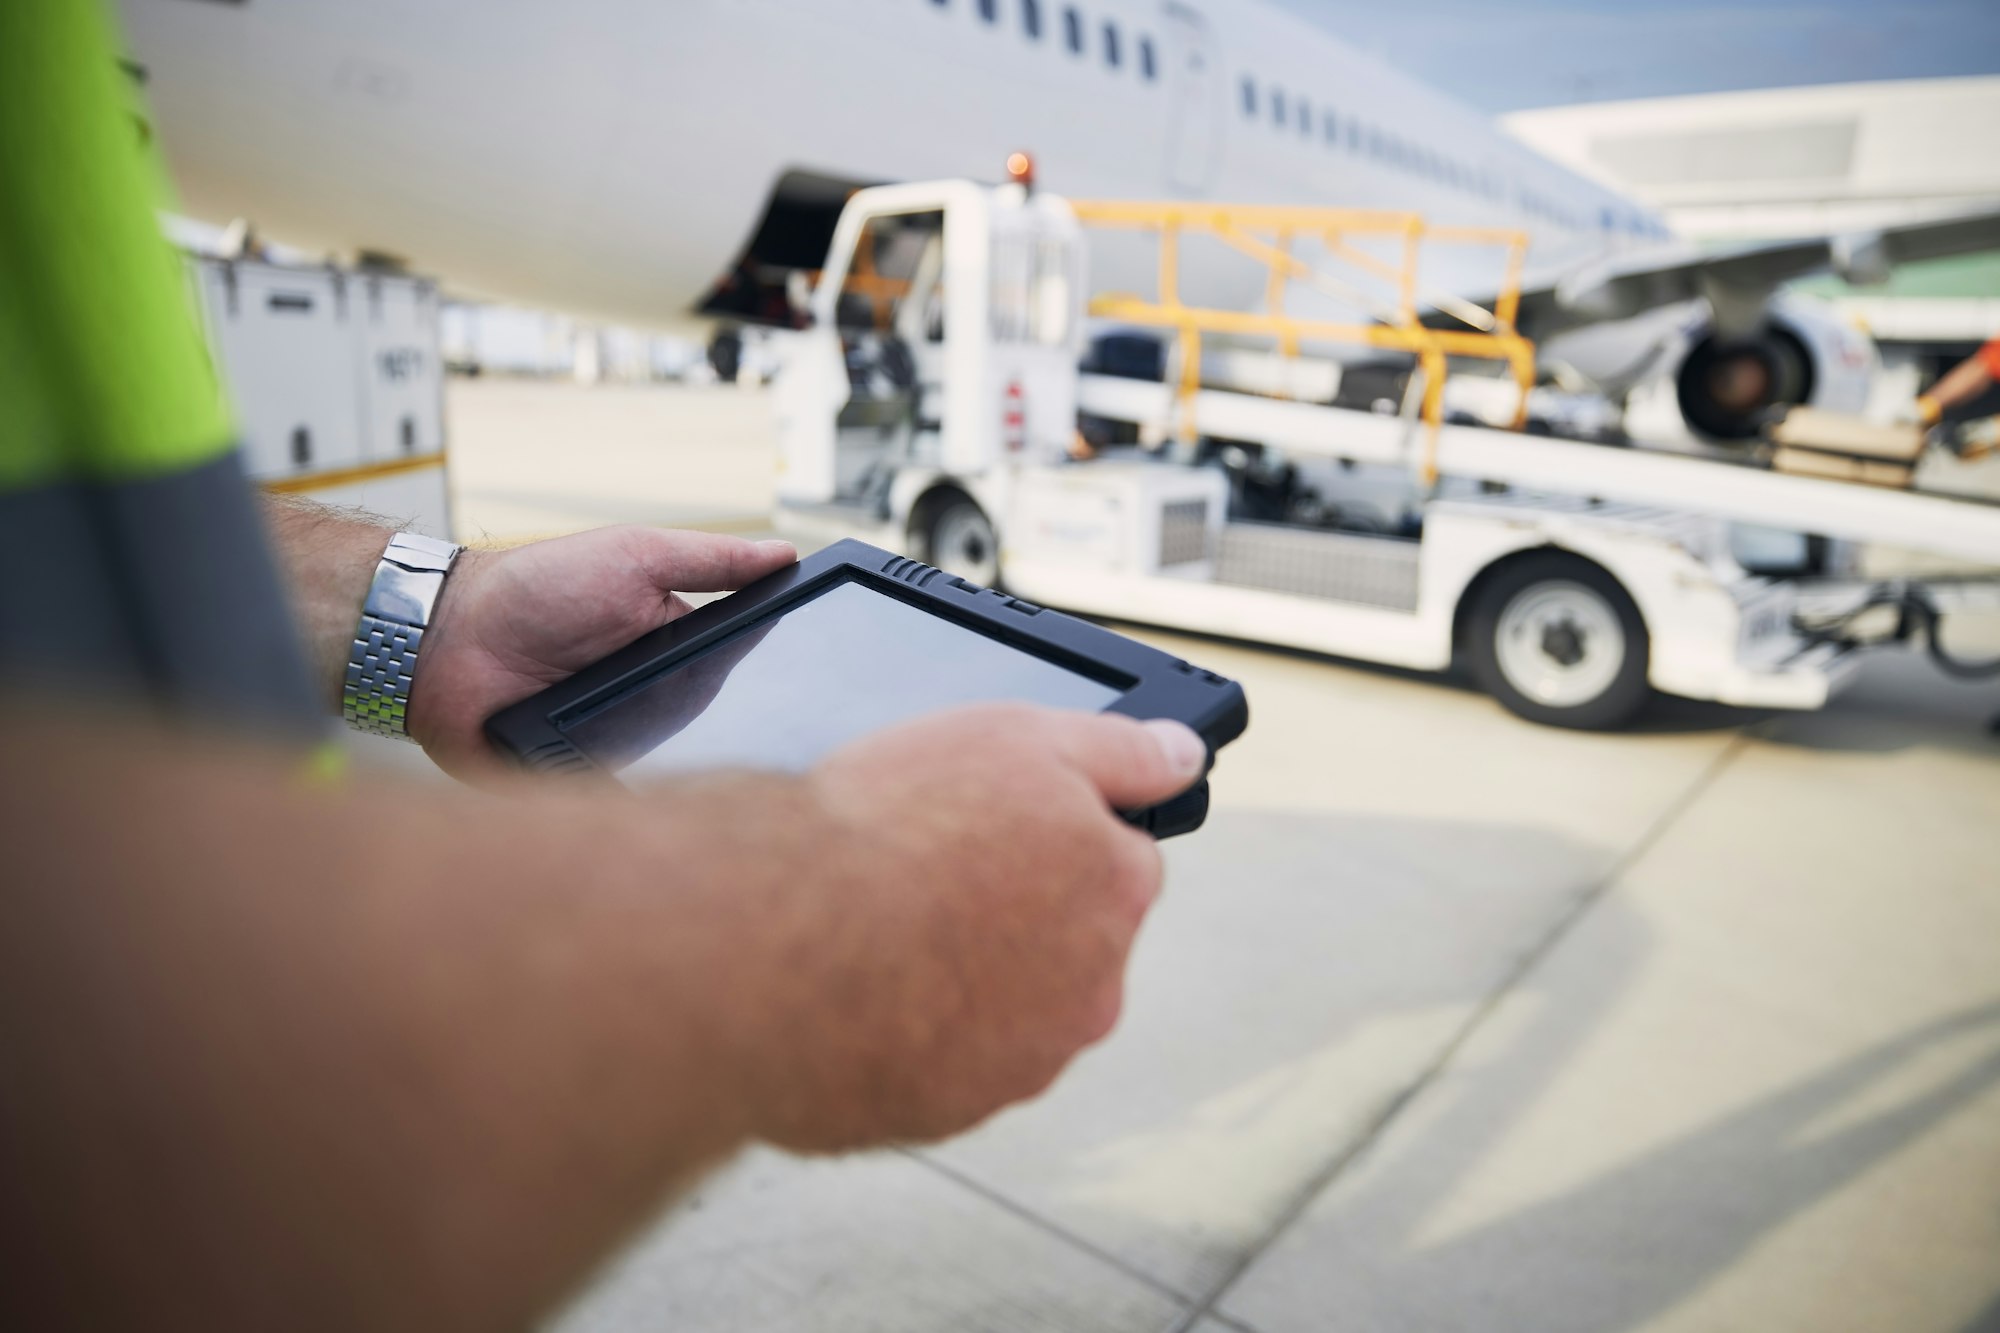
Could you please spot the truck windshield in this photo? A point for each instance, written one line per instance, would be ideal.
(889, 265)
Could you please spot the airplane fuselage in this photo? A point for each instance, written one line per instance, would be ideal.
(615, 157)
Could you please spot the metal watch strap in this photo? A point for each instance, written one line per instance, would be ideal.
(383, 660)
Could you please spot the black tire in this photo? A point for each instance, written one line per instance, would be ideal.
(1546, 576)
(960, 539)
(725, 355)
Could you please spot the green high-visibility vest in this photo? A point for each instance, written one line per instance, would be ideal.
(130, 541)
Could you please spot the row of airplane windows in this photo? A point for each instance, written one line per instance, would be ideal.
(1075, 33)
(1386, 146)
(1378, 143)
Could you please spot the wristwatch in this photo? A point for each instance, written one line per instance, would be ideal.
(383, 661)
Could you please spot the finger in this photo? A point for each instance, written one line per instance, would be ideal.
(681, 561)
(1134, 764)
(1141, 871)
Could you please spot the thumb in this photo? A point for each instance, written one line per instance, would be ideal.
(679, 560)
(1133, 763)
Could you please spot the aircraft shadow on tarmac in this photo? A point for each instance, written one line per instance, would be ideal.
(1628, 1244)
(1261, 959)
(1631, 1244)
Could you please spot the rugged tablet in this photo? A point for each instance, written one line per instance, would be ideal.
(845, 642)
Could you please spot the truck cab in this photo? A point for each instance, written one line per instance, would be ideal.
(939, 358)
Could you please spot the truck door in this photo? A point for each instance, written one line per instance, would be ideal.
(1194, 101)
(858, 391)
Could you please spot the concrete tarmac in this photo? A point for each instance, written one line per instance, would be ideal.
(1445, 1021)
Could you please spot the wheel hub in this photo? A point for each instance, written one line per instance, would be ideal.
(1564, 642)
(1560, 643)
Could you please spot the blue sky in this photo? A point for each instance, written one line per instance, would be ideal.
(1503, 54)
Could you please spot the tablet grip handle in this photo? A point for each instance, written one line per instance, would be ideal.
(1175, 815)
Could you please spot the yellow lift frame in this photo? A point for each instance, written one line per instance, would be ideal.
(1266, 234)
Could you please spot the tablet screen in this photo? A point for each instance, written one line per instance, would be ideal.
(847, 662)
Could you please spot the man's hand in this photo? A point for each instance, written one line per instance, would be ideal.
(976, 900)
(508, 622)
(511, 622)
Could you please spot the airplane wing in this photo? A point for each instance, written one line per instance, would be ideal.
(1738, 281)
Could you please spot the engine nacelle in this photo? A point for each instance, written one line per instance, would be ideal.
(1721, 389)
(1804, 353)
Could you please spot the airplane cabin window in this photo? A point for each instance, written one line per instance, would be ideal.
(1305, 117)
(1146, 66)
(1331, 130)
(990, 10)
(1111, 44)
(1073, 30)
(1249, 96)
(1031, 18)
(1277, 106)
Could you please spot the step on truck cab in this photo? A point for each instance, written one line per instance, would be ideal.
(931, 406)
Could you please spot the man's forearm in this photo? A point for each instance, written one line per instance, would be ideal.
(280, 1056)
(1966, 380)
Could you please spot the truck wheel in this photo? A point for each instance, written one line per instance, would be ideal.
(960, 540)
(1558, 641)
(725, 355)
